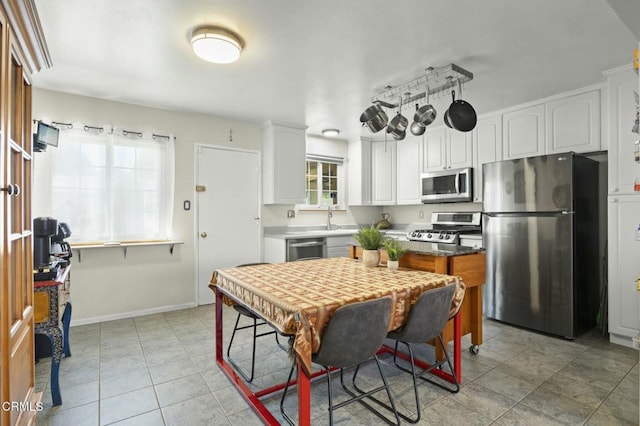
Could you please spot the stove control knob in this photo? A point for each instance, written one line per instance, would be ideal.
(418, 234)
(441, 236)
(429, 235)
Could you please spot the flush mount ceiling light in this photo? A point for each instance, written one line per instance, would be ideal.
(217, 45)
(330, 133)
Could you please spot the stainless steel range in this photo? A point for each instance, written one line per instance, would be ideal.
(446, 227)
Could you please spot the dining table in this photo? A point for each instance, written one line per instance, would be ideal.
(298, 299)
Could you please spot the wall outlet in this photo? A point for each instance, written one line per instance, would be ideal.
(421, 214)
(291, 214)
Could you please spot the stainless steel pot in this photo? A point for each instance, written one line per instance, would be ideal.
(397, 127)
(426, 114)
(374, 118)
(417, 128)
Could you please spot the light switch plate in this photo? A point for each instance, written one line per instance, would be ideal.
(291, 214)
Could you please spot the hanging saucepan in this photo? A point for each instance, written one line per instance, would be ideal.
(398, 125)
(417, 129)
(446, 119)
(374, 118)
(461, 114)
(426, 114)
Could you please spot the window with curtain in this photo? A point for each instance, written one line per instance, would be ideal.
(323, 181)
(113, 185)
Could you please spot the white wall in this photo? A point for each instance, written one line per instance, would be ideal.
(411, 214)
(105, 285)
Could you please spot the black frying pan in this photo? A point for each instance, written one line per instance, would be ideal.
(461, 115)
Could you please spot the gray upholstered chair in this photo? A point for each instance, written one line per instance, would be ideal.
(353, 335)
(257, 322)
(426, 321)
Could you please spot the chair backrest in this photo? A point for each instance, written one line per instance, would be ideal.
(354, 334)
(428, 316)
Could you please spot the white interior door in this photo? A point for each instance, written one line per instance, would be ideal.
(228, 212)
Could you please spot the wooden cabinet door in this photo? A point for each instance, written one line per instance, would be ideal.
(573, 123)
(523, 132)
(459, 149)
(624, 270)
(435, 150)
(383, 172)
(487, 148)
(18, 364)
(409, 153)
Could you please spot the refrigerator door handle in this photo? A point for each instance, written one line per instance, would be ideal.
(457, 183)
(567, 212)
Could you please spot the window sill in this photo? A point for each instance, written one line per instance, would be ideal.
(124, 246)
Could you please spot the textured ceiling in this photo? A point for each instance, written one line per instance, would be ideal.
(319, 62)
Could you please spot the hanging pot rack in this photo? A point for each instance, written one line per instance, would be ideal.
(435, 80)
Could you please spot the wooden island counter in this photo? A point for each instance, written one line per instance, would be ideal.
(464, 262)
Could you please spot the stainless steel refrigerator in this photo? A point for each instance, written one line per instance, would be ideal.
(540, 227)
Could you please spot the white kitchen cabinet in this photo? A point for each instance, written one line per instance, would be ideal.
(573, 123)
(623, 170)
(359, 172)
(409, 167)
(523, 132)
(339, 246)
(283, 164)
(383, 173)
(487, 148)
(435, 150)
(446, 148)
(275, 250)
(624, 269)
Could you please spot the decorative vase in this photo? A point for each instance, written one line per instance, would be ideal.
(392, 264)
(370, 258)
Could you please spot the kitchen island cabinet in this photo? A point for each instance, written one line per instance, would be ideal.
(466, 263)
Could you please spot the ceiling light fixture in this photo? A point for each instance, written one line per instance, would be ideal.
(217, 45)
(330, 133)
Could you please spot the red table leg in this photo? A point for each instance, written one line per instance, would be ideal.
(304, 396)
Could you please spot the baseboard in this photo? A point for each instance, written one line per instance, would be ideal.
(132, 314)
(621, 340)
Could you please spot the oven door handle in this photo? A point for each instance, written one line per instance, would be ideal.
(308, 244)
(457, 183)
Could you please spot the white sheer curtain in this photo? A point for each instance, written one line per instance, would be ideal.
(113, 184)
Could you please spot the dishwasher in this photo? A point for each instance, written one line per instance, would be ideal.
(303, 248)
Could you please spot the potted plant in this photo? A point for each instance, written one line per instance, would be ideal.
(394, 252)
(370, 239)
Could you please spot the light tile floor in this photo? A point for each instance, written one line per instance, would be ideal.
(159, 369)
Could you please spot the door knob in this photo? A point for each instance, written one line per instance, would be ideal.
(203, 234)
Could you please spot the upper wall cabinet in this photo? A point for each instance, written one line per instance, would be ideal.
(359, 172)
(446, 149)
(283, 163)
(523, 132)
(383, 173)
(409, 153)
(486, 149)
(623, 169)
(573, 123)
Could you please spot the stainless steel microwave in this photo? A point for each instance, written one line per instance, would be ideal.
(447, 186)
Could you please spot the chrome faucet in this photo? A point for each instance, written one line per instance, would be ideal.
(329, 216)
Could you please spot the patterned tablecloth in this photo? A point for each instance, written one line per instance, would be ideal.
(298, 298)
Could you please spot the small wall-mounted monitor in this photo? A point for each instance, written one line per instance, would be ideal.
(46, 135)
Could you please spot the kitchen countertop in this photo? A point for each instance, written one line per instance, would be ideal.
(291, 233)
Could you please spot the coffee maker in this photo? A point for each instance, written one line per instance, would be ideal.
(50, 250)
